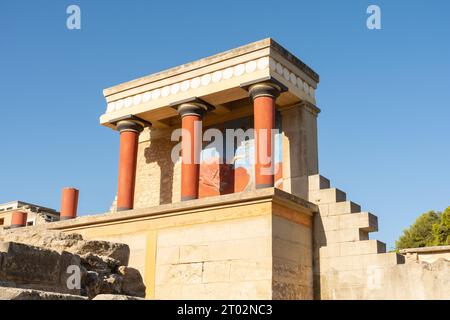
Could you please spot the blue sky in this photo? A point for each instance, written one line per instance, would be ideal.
(384, 94)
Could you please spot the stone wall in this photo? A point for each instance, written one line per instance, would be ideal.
(300, 153)
(253, 245)
(157, 177)
(39, 259)
(427, 254)
(349, 265)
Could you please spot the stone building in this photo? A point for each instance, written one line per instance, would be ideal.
(226, 220)
(36, 214)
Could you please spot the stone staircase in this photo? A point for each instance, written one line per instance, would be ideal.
(341, 234)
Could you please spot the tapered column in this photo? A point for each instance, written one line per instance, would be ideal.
(264, 97)
(129, 138)
(191, 145)
(69, 204)
(18, 219)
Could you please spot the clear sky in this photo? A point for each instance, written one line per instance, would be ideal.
(384, 94)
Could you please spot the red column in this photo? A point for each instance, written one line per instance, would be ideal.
(18, 219)
(264, 97)
(191, 146)
(129, 139)
(69, 204)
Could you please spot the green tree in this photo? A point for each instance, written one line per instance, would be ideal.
(441, 231)
(420, 234)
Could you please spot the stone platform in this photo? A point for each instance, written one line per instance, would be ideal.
(250, 245)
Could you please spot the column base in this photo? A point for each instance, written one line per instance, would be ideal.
(14, 226)
(66, 218)
(187, 198)
(264, 185)
(123, 209)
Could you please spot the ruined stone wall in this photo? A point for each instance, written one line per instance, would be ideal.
(349, 265)
(411, 280)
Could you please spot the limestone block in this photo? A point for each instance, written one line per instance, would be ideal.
(187, 273)
(255, 248)
(217, 271)
(344, 263)
(116, 297)
(331, 250)
(317, 182)
(289, 272)
(292, 251)
(168, 255)
(342, 235)
(290, 231)
(327, 196)
(250, 228)
(69, 242)
(339, 208)
(291, 291)
(191, 235)
(246, 270)
(28, 264)
(364, 221)
(193, 253)
(217, 232)
(168, 291)
(251, 290)
(353, 248)
(29, 294)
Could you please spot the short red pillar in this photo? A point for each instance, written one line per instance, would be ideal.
(18, 219)
(191, 147)
(69, 203)
(264, 96)
(129, 139)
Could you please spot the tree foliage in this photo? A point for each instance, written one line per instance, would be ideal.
(430, 229)
(441, 231)
(420, 234)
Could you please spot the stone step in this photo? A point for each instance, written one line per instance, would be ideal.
(318, 182)
(326, 196)
(364, 221)
(339, 208)
(353, 248)
(357, 262)
(339, 236)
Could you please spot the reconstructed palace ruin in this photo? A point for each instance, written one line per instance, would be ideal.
(235, 224)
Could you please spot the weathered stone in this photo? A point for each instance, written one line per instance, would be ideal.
(117, 251)
(133, 284)
(36, 268)
(28, 294)
(100, 264)
(112, 284)
(73, 243)
(115, 297)
(40, 260)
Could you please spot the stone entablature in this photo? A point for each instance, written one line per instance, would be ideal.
(218, 80)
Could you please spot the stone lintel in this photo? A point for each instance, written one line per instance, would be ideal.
(217, 80)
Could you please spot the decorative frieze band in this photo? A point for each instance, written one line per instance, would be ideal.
(212, 78)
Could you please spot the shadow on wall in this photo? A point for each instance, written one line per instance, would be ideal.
(159, 153)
